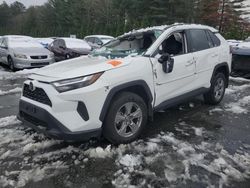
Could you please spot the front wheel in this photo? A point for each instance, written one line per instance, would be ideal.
(217, 90)
(11, 64)
(126, 118)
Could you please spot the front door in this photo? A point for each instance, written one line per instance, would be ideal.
(180, 80)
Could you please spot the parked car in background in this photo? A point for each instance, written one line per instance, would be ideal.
(19, 52)
(241, 60)
(96, 41)
(93, 96)
(68, 48)
(234, 43)
(45, 41)
(247, 39)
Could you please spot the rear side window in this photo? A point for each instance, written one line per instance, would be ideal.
(214, 38)
(198, 40)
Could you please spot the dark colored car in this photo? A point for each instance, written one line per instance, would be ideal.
(68, 48)
(241, 60)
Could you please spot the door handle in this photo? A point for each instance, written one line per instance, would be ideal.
(189, 63)
(215, 55)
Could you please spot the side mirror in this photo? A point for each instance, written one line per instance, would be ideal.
(167, 63)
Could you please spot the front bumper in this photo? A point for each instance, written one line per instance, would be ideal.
(32, 63)
(42, 121)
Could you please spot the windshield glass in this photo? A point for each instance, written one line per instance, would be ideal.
(106, 40)
(131, 44)
(23, 42)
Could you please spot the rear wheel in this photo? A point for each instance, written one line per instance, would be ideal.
(126, 118)
(217, 90)
(11, 64)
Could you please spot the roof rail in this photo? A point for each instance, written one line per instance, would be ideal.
(175, 24)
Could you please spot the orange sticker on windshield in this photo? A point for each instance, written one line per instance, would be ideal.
(115, 63)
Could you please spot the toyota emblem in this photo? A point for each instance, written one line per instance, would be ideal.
(31, 87)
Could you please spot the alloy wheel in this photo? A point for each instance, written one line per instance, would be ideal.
(219, 89)
(128, 119)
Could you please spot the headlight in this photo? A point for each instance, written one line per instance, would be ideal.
(51, 55)
(21, 56)
(76, 83)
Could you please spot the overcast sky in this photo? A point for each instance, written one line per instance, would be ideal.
(27, 3)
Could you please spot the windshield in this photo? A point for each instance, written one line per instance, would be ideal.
(106, 40)
(131, 44)
(23, 42)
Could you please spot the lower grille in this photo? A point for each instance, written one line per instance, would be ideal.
(38, 94)
(39, 64)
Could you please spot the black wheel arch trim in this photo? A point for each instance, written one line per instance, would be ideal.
(224, 64)
(125, 86)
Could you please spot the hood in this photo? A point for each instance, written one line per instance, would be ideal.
(32, 51)
(242, 49)
(77, 67)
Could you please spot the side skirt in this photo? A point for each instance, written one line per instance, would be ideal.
(180, 99)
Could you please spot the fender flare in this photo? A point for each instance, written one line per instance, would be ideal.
(122, 87)
(224, 64)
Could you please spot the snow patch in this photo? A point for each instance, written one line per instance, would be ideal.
(12, 91)
(11, 120)
(198, 131)
(100, 152)
(130, 160)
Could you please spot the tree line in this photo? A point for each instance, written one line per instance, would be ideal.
(114, 17)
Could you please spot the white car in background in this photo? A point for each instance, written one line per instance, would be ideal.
(92, 96)
(19, 52)
(96, 41)
(233, 42)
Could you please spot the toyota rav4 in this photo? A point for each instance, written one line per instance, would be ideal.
(114, 91)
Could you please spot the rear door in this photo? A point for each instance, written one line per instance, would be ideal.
(206, 56)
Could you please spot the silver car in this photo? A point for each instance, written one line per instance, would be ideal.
(19, 52)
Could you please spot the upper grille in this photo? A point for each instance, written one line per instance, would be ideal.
(39, 57)
(38, 95)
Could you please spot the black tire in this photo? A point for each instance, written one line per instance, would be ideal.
(11, 64)
(110, 127)
(213, 96)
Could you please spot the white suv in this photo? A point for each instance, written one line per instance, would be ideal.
(115, 90)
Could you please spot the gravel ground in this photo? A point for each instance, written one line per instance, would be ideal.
(190, 145)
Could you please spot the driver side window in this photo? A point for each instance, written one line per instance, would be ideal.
(174, 45)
